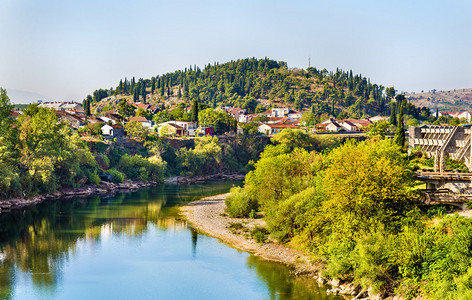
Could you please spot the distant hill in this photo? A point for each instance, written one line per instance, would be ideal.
(454, 100)
(23, 97)
(255, 84)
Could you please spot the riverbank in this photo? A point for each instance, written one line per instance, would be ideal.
(108, 189)
(208, 215)
(104, 189)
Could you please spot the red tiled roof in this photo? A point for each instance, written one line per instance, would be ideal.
(138, 119)
(362, 122)
(175, 125)
(14, 114)
(281, 125)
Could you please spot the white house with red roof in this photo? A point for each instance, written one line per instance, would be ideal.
(333, 126)
(270, 129)
(145, 122)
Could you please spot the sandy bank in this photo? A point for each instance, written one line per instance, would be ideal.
(206, 216)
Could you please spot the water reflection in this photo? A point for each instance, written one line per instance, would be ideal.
(39, 245)
(39, 240)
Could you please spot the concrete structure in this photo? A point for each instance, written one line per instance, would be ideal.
(442, 141)
(443, 186)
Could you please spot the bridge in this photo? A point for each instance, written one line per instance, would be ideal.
(442, 186)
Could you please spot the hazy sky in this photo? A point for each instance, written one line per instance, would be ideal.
(67, 49)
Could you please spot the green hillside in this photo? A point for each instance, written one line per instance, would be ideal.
(255, 85)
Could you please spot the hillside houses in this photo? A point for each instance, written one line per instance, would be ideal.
(63, 106)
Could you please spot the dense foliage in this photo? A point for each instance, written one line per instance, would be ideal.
(354, 208)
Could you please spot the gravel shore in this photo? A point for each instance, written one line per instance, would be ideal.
(207, 215)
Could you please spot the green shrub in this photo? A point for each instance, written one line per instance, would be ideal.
(259, 234)
(235, 225)
(100, 147)
(239, 204)
(94, 178)
(136, 167)
(116, 176)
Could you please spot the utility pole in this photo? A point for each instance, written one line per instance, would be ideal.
(309, 61)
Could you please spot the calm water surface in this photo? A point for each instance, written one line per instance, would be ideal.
(132, 246)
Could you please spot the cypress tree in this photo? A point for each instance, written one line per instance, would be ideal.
(195, 111)
(400, 132)
(143, 92)
(393, 114)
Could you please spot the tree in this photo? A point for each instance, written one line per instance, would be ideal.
(378, 129)
(5, 111)
(125, 109)
(210, 117)
(294, 138)
(400, 132)
(88, 100)
(140, 112)
(137, 130)
(393, 114)
(194, 111)
(390, 93)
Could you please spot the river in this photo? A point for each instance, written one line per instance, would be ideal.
(133, 246)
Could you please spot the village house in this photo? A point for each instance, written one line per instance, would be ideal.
(333, 126)
(74, 122)
(189, 127)
(270, 129)
(246, 118)
(348, 126)
(360, 124)
(60, 106)
(112, 131)
(145, 122)
(168, 128)
(15, 114)
(378, 118)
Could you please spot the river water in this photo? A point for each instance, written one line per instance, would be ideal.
(133, 246)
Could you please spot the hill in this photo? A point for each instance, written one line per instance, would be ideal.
(254, 84)
(454, 100)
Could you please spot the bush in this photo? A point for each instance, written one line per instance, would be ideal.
(239, 204)
(116, 176)
(136, 167)
(259, 234)
(94, 178)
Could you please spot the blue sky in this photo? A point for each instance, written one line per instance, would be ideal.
(66, 49)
